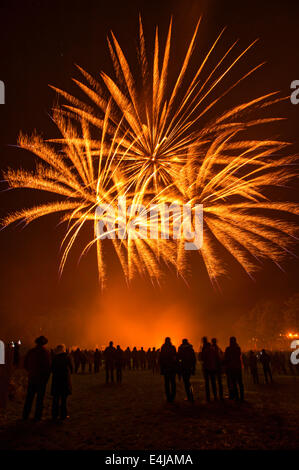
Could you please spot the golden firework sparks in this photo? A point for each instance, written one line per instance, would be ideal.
(155, 146)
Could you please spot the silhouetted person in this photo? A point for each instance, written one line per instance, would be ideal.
(135, 358)
(83, 360)
(119, 363)
(168, 367)
(209, 367)
(187, 362)
(219, 360)
(233, 364)
(245, 362)
(149, 358)
(266, 360)
(253, 367)
(142, 356)
(38, 365)
(155, 360)
(109, 355)
(77, 359)
(128, 356)
(62, 369)
(89, 357)
(97, 360)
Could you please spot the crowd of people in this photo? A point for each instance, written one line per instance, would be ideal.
(115, 360)
(272, 362)
(214, 363)
(172, 363)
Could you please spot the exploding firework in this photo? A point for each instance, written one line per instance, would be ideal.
(84, 182)
(156, 146)
(236, 213)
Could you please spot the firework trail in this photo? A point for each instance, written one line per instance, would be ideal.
(153, 144)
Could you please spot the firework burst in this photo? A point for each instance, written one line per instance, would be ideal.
(155, 146)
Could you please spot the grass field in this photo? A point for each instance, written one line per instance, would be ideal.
(135, 416)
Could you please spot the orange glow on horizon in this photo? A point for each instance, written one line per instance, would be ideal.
(139, 320)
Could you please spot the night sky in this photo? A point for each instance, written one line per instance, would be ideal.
(40, 43)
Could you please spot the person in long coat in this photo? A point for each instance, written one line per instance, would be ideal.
(37, 362)
(233, 363)
(77, 359)
(128, 356)
(253, 367)
(187, 363)
(62, 369)
(119, 363)
(97, 358)
(169, 367)
(109, 356)
(209, 367)
(220, 358)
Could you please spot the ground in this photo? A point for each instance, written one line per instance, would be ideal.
(135, 416)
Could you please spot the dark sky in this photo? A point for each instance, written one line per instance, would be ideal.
(40, 41)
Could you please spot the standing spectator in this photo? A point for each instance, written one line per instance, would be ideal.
(155, 360)
(168, 368)
(142, 355)
(77, 359)
(219, 361)
(266, 360)
(135, 357)
(97, 360)
(38, 365)
(209, 366)
(187, 362)
(253, 367)
(109, 355)
(233, 364)
(149, 358)
(83, 360)
(245, 363)
(61, 382)
(119, 363)
(90, 360)
(127, 359)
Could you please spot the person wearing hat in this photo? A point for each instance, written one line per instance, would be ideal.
(37, 362)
